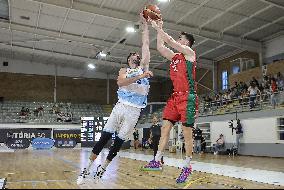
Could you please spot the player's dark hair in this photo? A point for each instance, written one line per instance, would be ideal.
(189, 37)
(132, 53)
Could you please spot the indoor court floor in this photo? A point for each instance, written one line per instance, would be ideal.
(59, 168)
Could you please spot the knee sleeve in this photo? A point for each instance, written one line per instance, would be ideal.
(114, 149)
(102, 142)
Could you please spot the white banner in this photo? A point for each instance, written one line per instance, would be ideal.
(2, 183)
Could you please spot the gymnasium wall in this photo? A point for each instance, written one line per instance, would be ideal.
(260, 136)
(272, 69)
(274, 50)
(226, 65)
(40, 88)
(48, 68)
(30, 81)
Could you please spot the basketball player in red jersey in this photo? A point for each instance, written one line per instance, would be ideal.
(182, 105)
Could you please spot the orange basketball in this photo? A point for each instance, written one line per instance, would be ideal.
(153, 12)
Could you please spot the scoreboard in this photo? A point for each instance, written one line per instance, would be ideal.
(91, 130)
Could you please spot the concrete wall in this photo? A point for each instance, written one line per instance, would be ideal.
(272, 69)
(260, 136)
(41, 88)
(226, 65)
(274, 50)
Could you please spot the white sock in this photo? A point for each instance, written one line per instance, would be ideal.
(105, 164)
(187, 161)
(90, 165)
(159, 156)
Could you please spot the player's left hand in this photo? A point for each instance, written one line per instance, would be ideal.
(157, 24)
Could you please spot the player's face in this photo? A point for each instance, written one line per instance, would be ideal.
(134, 60)
(182, 40)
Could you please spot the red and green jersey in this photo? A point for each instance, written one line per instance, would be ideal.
(182, 73)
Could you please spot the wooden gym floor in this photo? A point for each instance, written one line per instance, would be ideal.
(58, 169)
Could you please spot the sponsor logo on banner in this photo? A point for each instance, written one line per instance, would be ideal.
(65, 143)
(18, 143)
(26, 133)
(42, 143)
(74, 134)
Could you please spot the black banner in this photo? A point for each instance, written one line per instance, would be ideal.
(65, 143)
(18, 143)
(25, 133)
(67, 134)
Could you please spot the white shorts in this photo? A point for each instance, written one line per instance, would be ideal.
(122, 120)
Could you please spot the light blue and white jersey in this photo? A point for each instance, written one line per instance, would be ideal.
(136, 93)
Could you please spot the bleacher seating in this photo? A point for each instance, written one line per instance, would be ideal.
(215, 108)
(238, 105)
(10, 111)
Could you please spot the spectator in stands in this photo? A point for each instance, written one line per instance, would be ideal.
(243, 86)
(220, 143)
(136, 138)
(23, 112)
(56, 109)
(225, 98)
(208, 101)
(64, 117)
(229, 96)
(235, 89)
(253, 92)
(36, 112)
(280, 81)
(217, 100)
(40, 111)
(197, 140)
(266, 82)
(273, 90)
(236, 85)
(235, 93)
(255, 81)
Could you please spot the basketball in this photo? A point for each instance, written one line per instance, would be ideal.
(153, 12)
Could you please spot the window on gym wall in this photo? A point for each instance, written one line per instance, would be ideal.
(4, 9)
(236, 69)
(224, 80)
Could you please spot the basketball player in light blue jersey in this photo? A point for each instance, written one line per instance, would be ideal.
(132, 97)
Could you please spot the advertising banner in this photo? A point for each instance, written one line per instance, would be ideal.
(25, 133)
(18, 143)
(42, 143)
(67, 134)
(65, 143)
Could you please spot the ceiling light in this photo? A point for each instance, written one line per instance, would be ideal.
(91, 66)
(130, 29)
(164, 1)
